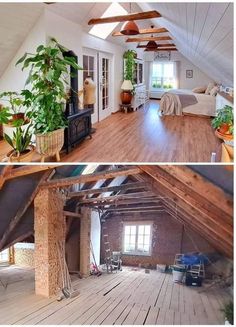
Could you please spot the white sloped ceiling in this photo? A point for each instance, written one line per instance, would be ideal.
(202, 32)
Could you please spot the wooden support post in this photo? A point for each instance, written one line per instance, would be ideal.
(50, 228)
(85, 228)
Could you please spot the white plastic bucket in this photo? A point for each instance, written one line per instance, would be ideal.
(178, 274)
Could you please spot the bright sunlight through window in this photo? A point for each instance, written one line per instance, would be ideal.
(137, 239)
(102, 31)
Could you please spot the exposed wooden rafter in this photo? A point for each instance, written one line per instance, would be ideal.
(72, 214)
(150, 38)
(3, 177)
(124, 18)
(128, 186)
(145, 31)
(166, 45)
(65, 182)
(28, 170)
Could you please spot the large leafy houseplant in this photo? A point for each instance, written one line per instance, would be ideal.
(48, 76)
(129, 62)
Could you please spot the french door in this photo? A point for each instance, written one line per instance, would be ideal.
(104, 61)
(98, 66)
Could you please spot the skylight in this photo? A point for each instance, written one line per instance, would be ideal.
(89, 169)
(103, 30)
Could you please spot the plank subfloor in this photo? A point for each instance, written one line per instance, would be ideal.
(143, 136)
(124, 298)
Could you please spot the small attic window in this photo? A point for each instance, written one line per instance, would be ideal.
(103, 30)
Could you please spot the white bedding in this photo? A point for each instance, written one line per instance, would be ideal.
(206, 103)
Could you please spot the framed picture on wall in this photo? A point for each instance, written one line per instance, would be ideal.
(189, 73)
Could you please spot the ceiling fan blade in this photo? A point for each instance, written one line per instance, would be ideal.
(145, 31)
(154, 38)
(124, 18)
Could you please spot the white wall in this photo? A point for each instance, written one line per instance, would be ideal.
(13, 79)
(199, 77)
(95, 236)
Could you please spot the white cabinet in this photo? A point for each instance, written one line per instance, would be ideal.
(140, 97)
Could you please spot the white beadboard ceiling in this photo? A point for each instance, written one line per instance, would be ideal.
(202, 31)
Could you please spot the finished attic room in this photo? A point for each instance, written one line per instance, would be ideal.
(116, 245)
(116, 82)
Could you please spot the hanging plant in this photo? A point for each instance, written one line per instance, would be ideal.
(129, 57)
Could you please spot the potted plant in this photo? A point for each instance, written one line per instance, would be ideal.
(22, 149)
(47, 77)
(127, 85)
(15, 104)
(223, 123)
(229, 313)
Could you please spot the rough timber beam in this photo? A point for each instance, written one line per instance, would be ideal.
(124, 18)
(3, 177)
(65, 182)
(151, 38)
(128, 186)
(137, 195)
(71, 214)
(122, 202)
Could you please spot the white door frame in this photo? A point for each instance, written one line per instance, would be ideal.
(104, 113)
(93, 53)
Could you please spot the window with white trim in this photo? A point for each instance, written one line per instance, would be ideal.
(163, 76)
(137, 238)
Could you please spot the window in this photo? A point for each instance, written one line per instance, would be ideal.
(137, 239)
(163, 75)
(102, 31)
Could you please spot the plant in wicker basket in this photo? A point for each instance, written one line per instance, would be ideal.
(48, 75)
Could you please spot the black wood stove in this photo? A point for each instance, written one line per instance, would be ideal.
(79, 124)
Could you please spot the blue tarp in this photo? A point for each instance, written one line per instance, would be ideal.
(193, 259)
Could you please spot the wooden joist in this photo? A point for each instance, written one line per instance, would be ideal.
(137, 195)
(135, 209)
(124, 18)
(65, 182)
(150, 38)
(145, 31)
(72, 214)
(122, 202)
(3, 177)
(122, 187)
(166, 45)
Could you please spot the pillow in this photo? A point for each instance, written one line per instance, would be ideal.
(199, 89)
(209, 88)
(214, 91)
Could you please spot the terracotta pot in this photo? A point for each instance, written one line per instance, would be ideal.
(224, 128)
(224, 136)
(19, 115)
(25, 157)
(126, 97)
(50, 144)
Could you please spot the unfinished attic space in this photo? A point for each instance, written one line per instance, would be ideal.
(116, 244)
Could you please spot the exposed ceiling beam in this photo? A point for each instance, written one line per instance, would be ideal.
(28, 170)
(65, 182)
(138, 195)
(145, 31)
(161, 49)
(153, 208)
(158, 45)
(150, 38)
(122, 202)
(128, 186)
(124, 18)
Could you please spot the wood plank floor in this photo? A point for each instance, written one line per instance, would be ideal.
(143, 136)
(124, 298)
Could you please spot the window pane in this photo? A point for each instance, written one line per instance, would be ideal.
(146, 239)
(146, 248)
(141, 229)
(147, 229)
(127, 230)
(133, 229)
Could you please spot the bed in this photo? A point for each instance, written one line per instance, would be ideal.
(183, 101)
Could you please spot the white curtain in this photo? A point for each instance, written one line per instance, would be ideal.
(176, 73)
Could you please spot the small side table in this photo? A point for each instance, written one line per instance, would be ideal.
(125, 107)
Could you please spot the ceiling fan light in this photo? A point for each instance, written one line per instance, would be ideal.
(130, 28)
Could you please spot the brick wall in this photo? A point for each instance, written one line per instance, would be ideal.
(168, 239)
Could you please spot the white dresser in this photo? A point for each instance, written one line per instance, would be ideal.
(140, 97)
